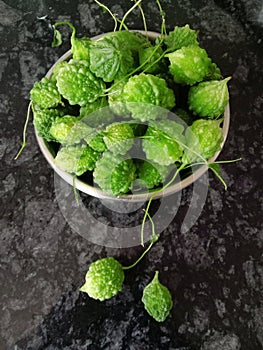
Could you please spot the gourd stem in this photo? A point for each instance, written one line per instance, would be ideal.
(226, 161)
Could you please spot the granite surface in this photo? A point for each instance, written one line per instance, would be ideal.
(214, 270)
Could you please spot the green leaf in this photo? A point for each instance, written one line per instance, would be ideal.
(56, 69)
(109, 59)
(97, 113)
(79, 46)
(133, 41)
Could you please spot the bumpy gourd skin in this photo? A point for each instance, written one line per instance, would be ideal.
(114, 174)
(209, 99)
(95, 140)
(43, 119)
(104, 279)
(76, 159)
(214, 72)
(97, 116)
(45, 94)
(70, 131)
(204, 137)
(116, 99)
(77, 84)
(119, 138)
(79, 132)
(160, 143)
(57, 68)
(151, 174)
(181, 36)
(144, 92)
(61, 128)
(189, 65)
(157, 300)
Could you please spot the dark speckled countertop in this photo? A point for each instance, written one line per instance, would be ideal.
(214, 270)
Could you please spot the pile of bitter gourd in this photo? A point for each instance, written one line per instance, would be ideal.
(125, 94)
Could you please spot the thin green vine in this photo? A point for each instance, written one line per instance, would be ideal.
(74, 32)
(24, 143)
(109, 11)
(128, 12)
(163, 15)
(154, 238)
(152, 197)
(143, 20)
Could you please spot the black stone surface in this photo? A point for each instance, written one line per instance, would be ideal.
(214, 270)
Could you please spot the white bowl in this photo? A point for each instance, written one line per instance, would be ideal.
(140, 197)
